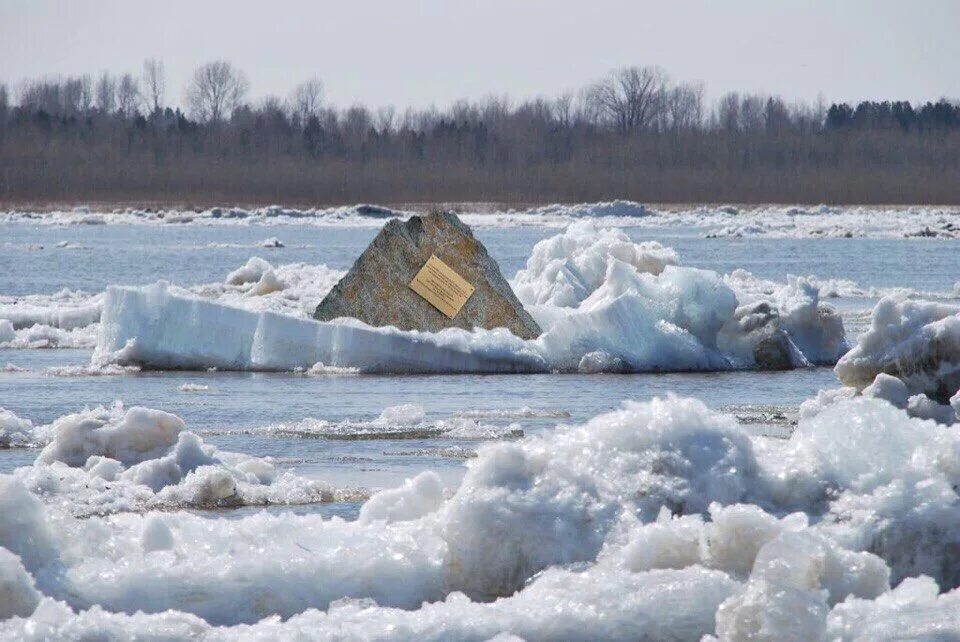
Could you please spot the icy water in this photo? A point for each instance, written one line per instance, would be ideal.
(242, 412)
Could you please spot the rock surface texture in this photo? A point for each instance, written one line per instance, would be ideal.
(376, 289)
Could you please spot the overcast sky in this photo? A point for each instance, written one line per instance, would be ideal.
(422, 52)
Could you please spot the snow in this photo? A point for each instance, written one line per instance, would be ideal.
(662, 518)
(105, 460)
(157, 535)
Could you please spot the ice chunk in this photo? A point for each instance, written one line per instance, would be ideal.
(174, 331)
(795, 579)
(268, 282)
(917, 342)
(815, 328)
(406, 415)
(139, 434)
(24, 529)
(522, 507)
(66, 311)
(44, 336)
(924, 407)
(890, 388)
(15, 431)
(563, 270)
(912, 611)
(193, 387)
(18, 596)
(599, 603)
(251, 272)
(417, 497)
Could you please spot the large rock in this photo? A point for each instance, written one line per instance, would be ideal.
(376, 289)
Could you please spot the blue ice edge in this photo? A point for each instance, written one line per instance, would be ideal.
(153, 327)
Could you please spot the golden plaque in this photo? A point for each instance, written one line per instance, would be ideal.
(443, 288)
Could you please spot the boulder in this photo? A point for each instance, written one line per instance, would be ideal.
(377, 289)
(754, 333)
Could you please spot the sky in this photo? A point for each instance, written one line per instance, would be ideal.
(433, 52)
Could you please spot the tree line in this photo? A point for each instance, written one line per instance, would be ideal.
(633, 133)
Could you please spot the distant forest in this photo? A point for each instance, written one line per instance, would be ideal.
(631, 134)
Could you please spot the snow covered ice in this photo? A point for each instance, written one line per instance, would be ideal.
(918, 342)
(659, 503)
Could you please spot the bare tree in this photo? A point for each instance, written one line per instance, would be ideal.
(728, 112)
(106, 96)
(4, 103)
(215, 91)
(563, 108)
(386, 116)
(356, 124)
(776, 116)
(154, 82)
(128, 95)
(86, 93)
(683, 107)
(305, 99)
(71, 96)
(631, 98)
(752, 113)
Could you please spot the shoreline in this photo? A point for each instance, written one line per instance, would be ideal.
(473, 207)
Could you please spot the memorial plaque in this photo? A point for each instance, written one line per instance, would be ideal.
(443, 288)
(427, 273)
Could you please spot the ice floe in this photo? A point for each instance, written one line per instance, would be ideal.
(113, 459)
(606, 303)
(716, 221)
(406, 421)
